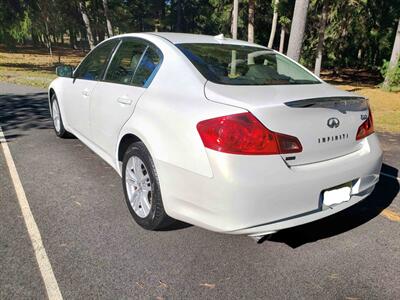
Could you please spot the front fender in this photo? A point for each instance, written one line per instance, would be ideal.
(57, 86)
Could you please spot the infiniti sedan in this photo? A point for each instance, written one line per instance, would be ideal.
(220, 133)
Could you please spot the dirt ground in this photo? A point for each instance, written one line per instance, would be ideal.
(34, 67)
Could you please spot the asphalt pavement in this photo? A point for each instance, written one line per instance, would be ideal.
(97, 251)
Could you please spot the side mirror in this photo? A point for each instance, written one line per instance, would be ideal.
(64, 71)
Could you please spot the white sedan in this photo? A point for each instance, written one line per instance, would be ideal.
(223, 134)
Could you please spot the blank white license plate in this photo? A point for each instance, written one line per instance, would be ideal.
(336, 196)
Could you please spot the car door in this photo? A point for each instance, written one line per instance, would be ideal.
(78, 90)
(113, 101)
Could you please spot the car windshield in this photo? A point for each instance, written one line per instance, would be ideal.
(244, 65)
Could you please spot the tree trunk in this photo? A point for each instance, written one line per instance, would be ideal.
(235, 13)
(85, 17)
(72, 38)
(35, 38)
(394, 59)
(250, 25)
(282, 39)
(297, 29)
(178, 26)
(48, 38)
(234, 28)
(101, 34)
(107, 15)
(321, 38)
(46, 20)
(274, 23)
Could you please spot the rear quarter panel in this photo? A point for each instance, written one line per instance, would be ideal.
(166, 115)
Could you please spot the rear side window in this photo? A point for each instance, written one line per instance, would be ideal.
(125, 62)
(148, 67)
(92, 67)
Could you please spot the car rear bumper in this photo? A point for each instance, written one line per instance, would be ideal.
(257, 195)
(269, 228)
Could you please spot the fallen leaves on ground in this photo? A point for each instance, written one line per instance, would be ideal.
(208, 285)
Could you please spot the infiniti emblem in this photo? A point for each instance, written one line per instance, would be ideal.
(333, 122)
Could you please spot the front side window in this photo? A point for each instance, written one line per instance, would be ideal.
(125, 62)
(244, 65)
(92, 67)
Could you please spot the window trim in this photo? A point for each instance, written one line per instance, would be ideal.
(110, 60)
(147, 44)
(138, 64)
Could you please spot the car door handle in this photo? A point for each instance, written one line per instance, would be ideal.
(125, 100)
(85, 93)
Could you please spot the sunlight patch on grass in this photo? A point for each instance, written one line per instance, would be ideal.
(385, 106)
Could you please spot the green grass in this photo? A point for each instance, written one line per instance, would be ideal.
(385, 106)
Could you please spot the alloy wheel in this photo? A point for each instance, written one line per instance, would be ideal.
(138, 186)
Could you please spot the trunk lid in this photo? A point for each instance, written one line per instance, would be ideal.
(323, 118)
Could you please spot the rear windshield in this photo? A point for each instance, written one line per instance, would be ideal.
(244, 65)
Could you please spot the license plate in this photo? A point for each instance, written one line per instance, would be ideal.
(337, 195)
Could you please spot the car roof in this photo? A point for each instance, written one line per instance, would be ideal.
(182, 38)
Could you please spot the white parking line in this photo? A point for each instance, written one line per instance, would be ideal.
(390, 176)
(50, 282)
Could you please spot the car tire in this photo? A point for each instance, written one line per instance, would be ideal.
(57, 119)
(142, 189)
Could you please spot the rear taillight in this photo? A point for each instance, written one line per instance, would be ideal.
(366, 128)
(244, 134)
